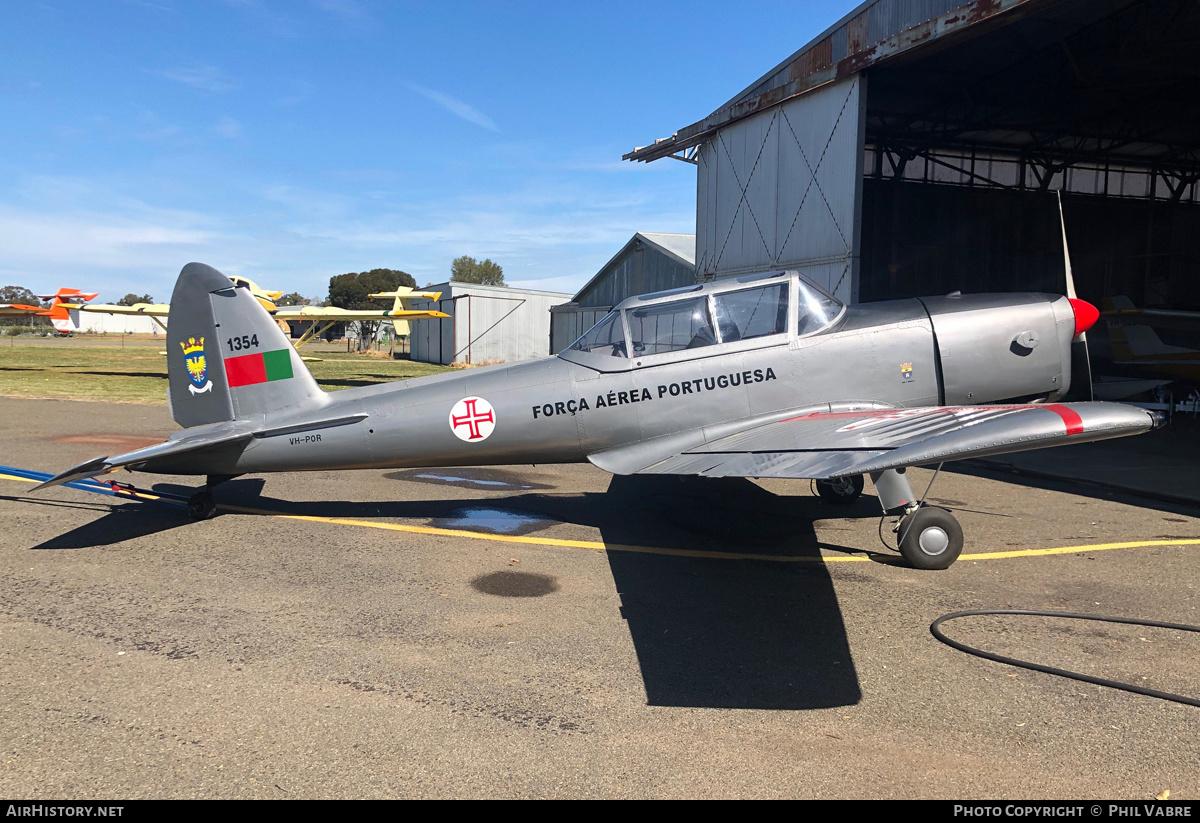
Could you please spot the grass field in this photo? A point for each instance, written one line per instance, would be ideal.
(83, 369)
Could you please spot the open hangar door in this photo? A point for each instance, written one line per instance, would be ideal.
(966, 145)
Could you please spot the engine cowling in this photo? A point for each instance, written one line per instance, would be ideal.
(1004, 346)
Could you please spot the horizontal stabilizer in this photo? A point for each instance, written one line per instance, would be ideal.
(171, 450)
(188, 451)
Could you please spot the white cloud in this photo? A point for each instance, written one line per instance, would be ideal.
(90, 233)
(208, 79)
(456, 107)
(228, 127)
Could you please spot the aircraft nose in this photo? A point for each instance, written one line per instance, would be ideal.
(1086, 315)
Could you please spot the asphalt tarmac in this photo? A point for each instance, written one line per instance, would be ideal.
(465, 633)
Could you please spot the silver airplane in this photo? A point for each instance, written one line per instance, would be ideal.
(765, 375)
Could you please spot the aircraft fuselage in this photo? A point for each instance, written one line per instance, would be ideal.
(899, 354)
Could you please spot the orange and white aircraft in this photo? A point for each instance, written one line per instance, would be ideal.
(59, 312)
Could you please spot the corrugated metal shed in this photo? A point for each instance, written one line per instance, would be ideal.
(487, 324)
(631, 271)
(649, 262)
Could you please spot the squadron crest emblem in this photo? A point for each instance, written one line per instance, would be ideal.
(197, 365)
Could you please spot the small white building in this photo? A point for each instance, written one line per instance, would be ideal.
(487, 324)
(90, 322)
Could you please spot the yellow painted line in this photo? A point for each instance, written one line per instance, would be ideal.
(592, 545)
(538, 541)
(1095, 547)
(596, 546)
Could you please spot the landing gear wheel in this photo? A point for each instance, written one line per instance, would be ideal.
(930, 538)
(201, 506)
(842, 491)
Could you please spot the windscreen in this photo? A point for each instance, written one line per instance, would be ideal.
(817, 308)
(606, 337)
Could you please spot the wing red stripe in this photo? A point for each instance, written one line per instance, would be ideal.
(1069, 416)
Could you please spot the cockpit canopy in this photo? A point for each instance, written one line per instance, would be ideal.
(746, 308)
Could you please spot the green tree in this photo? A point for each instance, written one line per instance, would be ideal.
(131, 298)
(349, 291)
(294, 298)
(22, 297)
(469, 270)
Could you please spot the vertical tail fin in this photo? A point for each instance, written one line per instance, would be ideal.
(226, 357)
(63, 319)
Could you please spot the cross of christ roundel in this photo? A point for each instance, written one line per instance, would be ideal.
(472, 419)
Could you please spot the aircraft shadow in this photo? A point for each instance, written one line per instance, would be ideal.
(126, 521)
(160, 375)
(715, 633)
(721, 634)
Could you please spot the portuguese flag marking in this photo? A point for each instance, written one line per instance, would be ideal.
(258, 368)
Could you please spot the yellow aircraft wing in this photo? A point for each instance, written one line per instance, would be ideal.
(332, 313)
(149, 309)
(323, 317)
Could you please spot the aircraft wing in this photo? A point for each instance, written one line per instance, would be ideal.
(840, 440)
(331, 313)
(151, 309)
(19, 310)
(1160, 318)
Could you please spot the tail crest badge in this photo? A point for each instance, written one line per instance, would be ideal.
(197, 365)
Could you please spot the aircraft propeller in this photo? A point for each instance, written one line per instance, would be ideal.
(1085, 315)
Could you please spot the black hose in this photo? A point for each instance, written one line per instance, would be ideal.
(1037, 667)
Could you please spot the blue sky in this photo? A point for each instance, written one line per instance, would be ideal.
(292, 141)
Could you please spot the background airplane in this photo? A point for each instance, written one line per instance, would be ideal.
(1137, 346)
(57, 311)
(66, 306)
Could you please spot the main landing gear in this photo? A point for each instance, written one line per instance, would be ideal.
(201, 505)
(929, 537)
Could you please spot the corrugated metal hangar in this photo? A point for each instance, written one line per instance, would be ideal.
(487, 324)
(916, 145)
(649, 262)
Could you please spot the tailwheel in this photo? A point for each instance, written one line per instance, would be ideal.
(930, 538)
(201, 505)
(841, 491)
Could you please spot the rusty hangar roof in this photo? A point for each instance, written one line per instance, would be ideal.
(875, 33)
